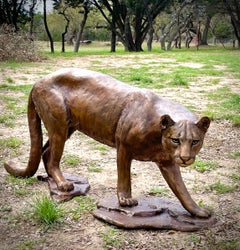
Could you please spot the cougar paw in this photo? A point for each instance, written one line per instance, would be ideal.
(65, 186)
(202, 212)
(127, 202)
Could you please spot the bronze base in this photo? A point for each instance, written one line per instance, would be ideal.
(81, 186)
(151, 213)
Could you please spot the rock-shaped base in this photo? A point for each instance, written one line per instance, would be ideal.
(151, 213)
(81, 186)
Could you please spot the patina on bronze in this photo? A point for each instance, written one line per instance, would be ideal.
(153, 213)
(140, 124)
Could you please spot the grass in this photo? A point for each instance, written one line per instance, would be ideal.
(46, 211)
(10, 142)
(8, 120)
(235, 178)
(226, 105)
(204, 166)
(93, 167)
(221, 188)
(178, 80)
(20, 185)
(112, 239)
(28, 244)
(86, 204)
(159, 191)
(235, 154)
(71, 159)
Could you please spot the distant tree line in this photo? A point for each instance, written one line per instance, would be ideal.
(131, 22)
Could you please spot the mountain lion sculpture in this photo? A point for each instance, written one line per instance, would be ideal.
(140, 124)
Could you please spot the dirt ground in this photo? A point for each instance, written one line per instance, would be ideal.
(19, 231)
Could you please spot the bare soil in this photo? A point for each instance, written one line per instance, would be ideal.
(20, 231)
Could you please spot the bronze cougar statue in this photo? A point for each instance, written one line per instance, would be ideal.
(140, 124)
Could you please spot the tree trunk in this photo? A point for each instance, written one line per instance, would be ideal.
(31, 14)
(82, 25)
(113, 42)
(113, 36)
(233, 7)
(162, 39)
(205, 31)
(46, 26)
(150, 39)
(129, 44)
(65, 32)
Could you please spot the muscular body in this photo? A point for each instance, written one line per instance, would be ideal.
(140, 124)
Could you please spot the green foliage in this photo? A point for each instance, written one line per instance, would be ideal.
(221, 188)
(71, 159)
(93, 167)
(227, 105)
(20, 185)
(86, 204)
(236, 178)
(28, 244)
(101, 147)
(112, 239)
(7, 120)
(178, 80)
(235, 154)
(204, 166)
(10, 142)
(159, 191)
(46, 211)
(225, 245)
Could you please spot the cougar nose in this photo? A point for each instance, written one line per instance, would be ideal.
(185, 158)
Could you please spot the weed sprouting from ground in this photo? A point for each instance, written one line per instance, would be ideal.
(46, 211)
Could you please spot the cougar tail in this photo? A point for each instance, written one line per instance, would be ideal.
(35, 130)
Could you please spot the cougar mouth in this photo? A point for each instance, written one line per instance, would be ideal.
(184, 163)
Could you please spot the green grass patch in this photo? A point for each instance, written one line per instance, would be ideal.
(235, 178)
(94, 168)
(225, 245)
(20, 185)
(221, 188)
(86, 204)
(112, 239)
(235, 154)
(26, 88)
(10, 142)
(204, 166)
(9, 80)
(28, 244)
(178, 80)
(8, 120)
(46, 211)
(226, 105)
(101, 147)
(159, 191)
(71, 159)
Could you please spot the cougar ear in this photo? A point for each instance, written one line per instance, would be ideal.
(166, 121)
(204, 123)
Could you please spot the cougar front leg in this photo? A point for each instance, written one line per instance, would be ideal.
(51, 157)
(124, 177)
(173, 177)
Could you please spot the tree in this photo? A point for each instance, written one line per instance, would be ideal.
(130, 20)
(178, 21)
(62, 8)
(233, 9)
(46, 26)
(31, 14)
(12, 13)
(86, 9)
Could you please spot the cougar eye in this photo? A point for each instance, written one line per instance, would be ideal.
(194, 142)
(175, 140)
